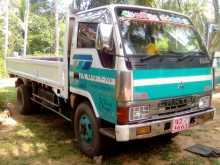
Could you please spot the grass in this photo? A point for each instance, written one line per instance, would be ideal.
(191, 160)
(7, 95)
(187, 133)
(169, 152)
(3, 73)
(37, 142)
(42, 138)
(215, 161)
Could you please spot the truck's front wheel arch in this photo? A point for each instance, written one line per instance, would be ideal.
(76, 99)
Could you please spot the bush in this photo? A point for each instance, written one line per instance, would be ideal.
(3, 73)
(7, 95)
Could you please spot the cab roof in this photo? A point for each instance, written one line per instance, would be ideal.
(113, 6)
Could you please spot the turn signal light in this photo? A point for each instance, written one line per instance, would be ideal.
(122, 115)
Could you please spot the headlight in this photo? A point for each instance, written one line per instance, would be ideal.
(138, 113)
(204, 102)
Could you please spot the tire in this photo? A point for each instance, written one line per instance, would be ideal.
(23, 99)
(86, 129)
(170, 136)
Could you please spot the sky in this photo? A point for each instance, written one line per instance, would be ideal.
(63, 3)
(209, 11)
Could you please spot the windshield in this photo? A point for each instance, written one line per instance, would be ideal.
(143, 38)
(148, 34)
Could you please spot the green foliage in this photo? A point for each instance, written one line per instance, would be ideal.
(62, 36)
(1, 38)
(40, 35)
(15, 34)
(7, 95)
(194, 9)
(41, 27)
(2, 67)
(41, 7)
(144, 2)
(93, 3)
(21, 9)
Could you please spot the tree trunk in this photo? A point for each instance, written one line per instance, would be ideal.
(216, 7)
(26, 26)
(6, 29)
(57, 29)
(6, 32)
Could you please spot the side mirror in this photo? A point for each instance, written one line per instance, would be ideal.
(214, 65)
(212, 40)
(104, 37)
(215, 28)
(216, 60)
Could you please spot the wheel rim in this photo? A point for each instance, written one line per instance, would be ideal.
(85, 129)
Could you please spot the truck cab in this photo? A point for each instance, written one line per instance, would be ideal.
(130, 72)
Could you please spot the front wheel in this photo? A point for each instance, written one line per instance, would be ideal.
(86, 129)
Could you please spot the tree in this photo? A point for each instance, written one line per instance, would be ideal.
(194, 9)
(41, 7)
(143, 2)
(26, 18)
(57, 29)
(88, 4)
(40, 35)
(216, 11)
(213, 37)
(15, 41)
(6, 18)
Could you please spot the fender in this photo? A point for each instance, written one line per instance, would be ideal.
(88, 96)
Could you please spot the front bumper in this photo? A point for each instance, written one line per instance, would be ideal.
(159, 127)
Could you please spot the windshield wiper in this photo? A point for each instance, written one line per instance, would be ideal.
(149, 57)
(161, 54)
(200, 53)
(190, 54)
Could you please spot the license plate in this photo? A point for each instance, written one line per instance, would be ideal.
(180, 124)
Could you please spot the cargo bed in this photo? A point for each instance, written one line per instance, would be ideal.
(45, 70)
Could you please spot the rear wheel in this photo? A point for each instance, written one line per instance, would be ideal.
(86, 129)
(23, 99)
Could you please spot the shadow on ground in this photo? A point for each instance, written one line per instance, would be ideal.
(44, 136)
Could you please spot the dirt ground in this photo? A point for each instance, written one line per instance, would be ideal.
(44, 138)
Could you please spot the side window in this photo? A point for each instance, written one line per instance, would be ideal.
(87, 30)
(86, 35)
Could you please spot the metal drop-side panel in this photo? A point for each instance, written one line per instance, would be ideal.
(49, 71)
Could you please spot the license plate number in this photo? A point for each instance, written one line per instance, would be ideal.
(180, 124)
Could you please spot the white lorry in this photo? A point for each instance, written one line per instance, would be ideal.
(129, 72)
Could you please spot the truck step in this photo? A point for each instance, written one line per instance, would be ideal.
(49, 108)
(47, 101)
(110, 132)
